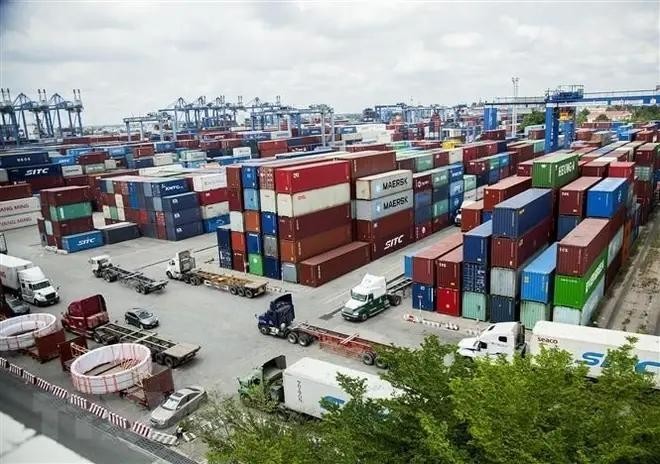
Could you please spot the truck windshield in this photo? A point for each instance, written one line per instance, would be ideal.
(40, 285)
(358, 296)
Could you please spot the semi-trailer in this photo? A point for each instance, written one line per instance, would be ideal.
(22, 278)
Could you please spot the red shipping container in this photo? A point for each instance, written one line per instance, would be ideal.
(95, 157)
(369, 231)
(297, 228)
(280, 146)
(214, 196)
(643, 189)
(72, 226)
(449, 269)
(573, 196)
(252, 221)
(235, 199)
(385, 244)
(596, 168)
(108, 199)
(297, 179)
(46, 182)
(360, 147)
(439, 223)
(76, 180)
(579, 249)
(423, 230)
(238, 261)
(328, 266)
(300, 250)
(524, 169)
(440, 159)
(14, 192)
(424, 260)
(234, 177)
(491, 148)
(477, 167)
(646, 155)
(368, 163)
(238, 241)
(503, 190)
(422, 182)
(471, 215)
(267, 170)
(470, 152)
(448, 301)
(512, 253)
(624, 169)
(65, 195)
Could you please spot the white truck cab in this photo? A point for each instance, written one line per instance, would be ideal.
(182, 262)
(36, 288)
(504, 338)
(367, 299)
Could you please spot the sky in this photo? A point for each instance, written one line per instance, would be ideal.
(130, 58)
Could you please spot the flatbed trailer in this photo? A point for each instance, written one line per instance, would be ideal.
(102, 267)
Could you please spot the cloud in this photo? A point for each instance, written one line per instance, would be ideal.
(132, 58)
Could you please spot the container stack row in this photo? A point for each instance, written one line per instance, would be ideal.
(18, 208)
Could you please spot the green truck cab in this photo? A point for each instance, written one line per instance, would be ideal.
(369, 298)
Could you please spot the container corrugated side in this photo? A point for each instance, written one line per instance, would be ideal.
(504, 281)
(581, 316)
(512, 218)
(532, 311)
(303, 203)
(475, 306)
(375, 209)
(379, 185)
(537, 279)
(572, 291)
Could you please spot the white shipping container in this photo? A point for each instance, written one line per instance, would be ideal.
(275, 135)
(313, 200)
(93, 168)
(614, 245)
(3, 175)
(163, 159)
(309, 380)
(505, 282)
(192, 155)
(381, 207)
(456, 155)
(354, 137)
(236, 221)
(480, 193)
(241, 151)
(48, 225)
(106, 212)
(380, 185)
(268, 201)
(470, 195)
(121, 214)
(214, 210)
(110, 164)
(580, 316)
(207, 182)
(119, 200)
(10, 266)
(19, 220)
(76, 170)
(19, 206)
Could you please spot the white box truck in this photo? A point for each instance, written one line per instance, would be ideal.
(22, 278)
(588, 345)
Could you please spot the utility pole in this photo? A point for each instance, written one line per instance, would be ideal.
(514, 115)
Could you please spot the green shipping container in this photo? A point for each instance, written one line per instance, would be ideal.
(439, 177)
(72, 211)
(493, 162)
(113, 213)
(539, 146)
(574, 292)
(469, 182)
(423, 163)
(644, 173)
(440, 207)
(256, 264)
(555, 171)
(532, 311)
(475, 306)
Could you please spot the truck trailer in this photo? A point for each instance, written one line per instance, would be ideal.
(22, 278)
(588, 345)
(300, 387)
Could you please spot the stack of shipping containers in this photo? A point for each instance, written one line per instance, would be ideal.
(476, 265)
(18, 208)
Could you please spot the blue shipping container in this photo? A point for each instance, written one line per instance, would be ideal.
(423, 199)
(23, 173)
(407, 266)
(250, 177)
(565, 224)
(512, 218)
(455, 172)
(162, 147)
(253, 243)
(476, 244)
(537, 280)
(224, 238)
(269, 223)
(176, 202)
(440, 193)
(486, 216)
(251, 199)
(455, 203)
(493, 177)
(225, 259)
(423, 296)
(24, 159)
(184, 216)
(475, 277)
(84, 241)
(606, 197)
(184, 231)
(504, 309)
(68, 160)
(271, 267)
(164, 187)
(211, 224)
(456, 188)
(423, 214)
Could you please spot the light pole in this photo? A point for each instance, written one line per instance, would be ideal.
(514, 116)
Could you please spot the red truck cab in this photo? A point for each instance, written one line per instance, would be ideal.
(85, 315)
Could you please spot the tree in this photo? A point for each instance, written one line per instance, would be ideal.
(532, 119)
(602, 117)
(581, 117)
(645, 113)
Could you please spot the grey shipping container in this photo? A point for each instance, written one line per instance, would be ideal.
(381, 207)
(505, 282)
(271, 246)
(380, 185)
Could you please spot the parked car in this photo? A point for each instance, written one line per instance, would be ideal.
(141, 318)
(15, 306)
(177, 406)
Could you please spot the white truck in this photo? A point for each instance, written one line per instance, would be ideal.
(22, 278)
(588, 345)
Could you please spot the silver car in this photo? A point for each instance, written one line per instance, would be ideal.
(177, 406)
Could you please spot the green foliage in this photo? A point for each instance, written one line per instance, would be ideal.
(452, 410)
(602, 117)
(645, 113)
(532, 119)
(581, 117)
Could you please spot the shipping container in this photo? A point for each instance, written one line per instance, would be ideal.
(449, 270)
(269, 223)
(183, 231)
(532, 311)
(19, 206)
(554, 171)
(512, 218)
(614, 246)
(223, 235)
(605, 198)
(69, 211)
(471, 216)
(84, 241)
(176, 202)
(475, 306)
(255, 264)
(505, 189)
(17, 221)
(311, 201)
(475, 278)
(565, 224)
(307, 177)
(297, 228)
(385, 184)
(537, 279)
(505, 281)
(423, 296)
(512, 253)
(424, 260)
(120, 232)
(448, 301)
(504, 309)
(14, 192)
(69, 227)
(328, 266)
(11, 160)
(573, 291)
(375, 209)
(368, 163)
(476, 243)
(572, 197)
(423, 230)
(295, 252)
(422, 182)
(290, 272)
(582, 315)
(582, 246)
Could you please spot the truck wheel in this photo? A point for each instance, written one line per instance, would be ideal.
(249, 293)
(97, 338)
(241, 291)
(169, 275)
(233, 290)
(368, 359)
(395, 300)
(292, 337)
(139, 289)
(195, 281)
(107, 277)
(169, 362)
(380, 363)
(304, 340)
(363, 317)
(97, 274)
(158, 357)
(264, 330)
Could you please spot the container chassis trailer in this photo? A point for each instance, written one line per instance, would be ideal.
(102, 267)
